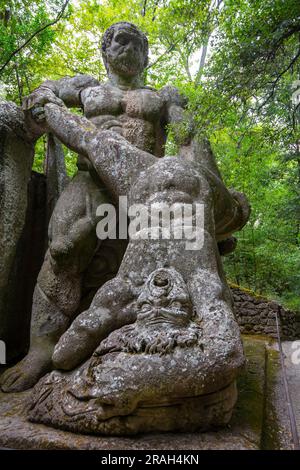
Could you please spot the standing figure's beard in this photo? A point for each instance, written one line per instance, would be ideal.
(126, 63)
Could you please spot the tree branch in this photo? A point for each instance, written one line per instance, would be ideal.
(154, 10)
(202, 63)
(144, 8)
(171, 48)
(212, 7)
(186, 66)
(167, 51)
(51, 23)
(279, 76)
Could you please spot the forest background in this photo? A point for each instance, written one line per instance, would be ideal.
(238, 63)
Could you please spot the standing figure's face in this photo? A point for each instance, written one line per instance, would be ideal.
(125, 55)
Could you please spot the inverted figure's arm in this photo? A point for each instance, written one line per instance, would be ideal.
(116, 161)
(72, 130)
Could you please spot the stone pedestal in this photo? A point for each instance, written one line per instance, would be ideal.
(258, 421)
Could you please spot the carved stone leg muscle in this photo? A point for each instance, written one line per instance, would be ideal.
(72, 243)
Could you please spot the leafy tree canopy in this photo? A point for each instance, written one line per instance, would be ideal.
(237, 61)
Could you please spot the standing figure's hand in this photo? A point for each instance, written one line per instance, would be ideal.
(40, 97)
(33, 105)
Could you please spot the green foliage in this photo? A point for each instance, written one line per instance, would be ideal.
(236, 61)
(39, 157)
(19, 20)
(39, 154)
(267, 258)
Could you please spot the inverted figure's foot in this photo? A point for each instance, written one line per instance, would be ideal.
(26, 373)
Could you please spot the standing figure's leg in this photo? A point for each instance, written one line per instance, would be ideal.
(48, 322)
(56, 299)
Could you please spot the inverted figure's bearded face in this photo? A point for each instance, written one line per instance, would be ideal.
(164, 299)
(164, 320)
(125, 54)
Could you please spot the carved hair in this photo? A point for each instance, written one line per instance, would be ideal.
(157, 339)
(109, 33)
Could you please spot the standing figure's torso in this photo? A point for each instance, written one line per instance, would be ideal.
(136, 114)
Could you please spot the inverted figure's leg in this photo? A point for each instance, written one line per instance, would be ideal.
(113, 306)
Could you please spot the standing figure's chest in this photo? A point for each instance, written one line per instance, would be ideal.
(143, 104)
(107, 100)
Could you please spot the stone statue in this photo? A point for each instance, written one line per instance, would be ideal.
(180, 340)
(22, 226)
(157, 348)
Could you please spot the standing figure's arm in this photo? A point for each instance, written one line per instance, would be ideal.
(65, 91)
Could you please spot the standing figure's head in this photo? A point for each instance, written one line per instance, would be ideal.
(124, 49)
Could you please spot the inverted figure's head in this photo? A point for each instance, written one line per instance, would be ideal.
(165, 320)
(164, 299)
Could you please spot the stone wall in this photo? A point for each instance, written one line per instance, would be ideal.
(256, 315)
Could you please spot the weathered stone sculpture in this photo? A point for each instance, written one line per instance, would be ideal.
(158, 348)
(16, 156)
(184, 343)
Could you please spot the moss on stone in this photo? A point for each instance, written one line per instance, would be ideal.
(249, 410)
(232, 285)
